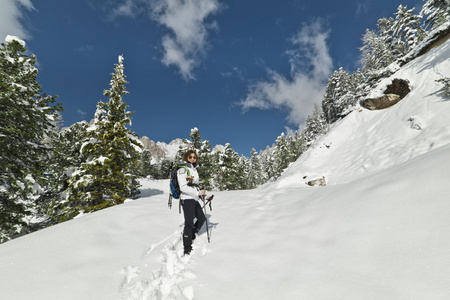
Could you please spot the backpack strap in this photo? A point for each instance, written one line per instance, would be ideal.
(179, 166)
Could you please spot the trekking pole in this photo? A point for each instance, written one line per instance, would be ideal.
(206, 218)
(208, 202)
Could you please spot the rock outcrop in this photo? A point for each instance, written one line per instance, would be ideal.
(317, 182)
(394, 92)
(153, 148)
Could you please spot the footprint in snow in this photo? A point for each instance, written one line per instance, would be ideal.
(166, 282)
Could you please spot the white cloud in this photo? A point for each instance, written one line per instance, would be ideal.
(130, 8)
(311, 65)
(81, 113)
(362, 7)
(11, 14)
(187, 22)
(85, 48)
(235, 72)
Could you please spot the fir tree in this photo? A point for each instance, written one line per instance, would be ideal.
(436, 13)
(406, 31)
(255, 170)
(27, 119)
(297, 145)
(341, 94)
(446, 82)
(281, 155)
(108, 176)
(315, 125)
(202, 147)
(231, 170)
(145, 163)
(375, 52)
(66, 157)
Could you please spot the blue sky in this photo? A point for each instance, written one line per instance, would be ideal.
(241, 71)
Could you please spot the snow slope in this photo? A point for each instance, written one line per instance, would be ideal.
(379, 230)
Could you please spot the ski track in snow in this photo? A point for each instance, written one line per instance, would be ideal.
(168, 281)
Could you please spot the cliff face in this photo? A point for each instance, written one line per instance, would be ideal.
(156, 152)
(161, 150)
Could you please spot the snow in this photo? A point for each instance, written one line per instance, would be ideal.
(10, 38)
(379, 230)
(172, 148)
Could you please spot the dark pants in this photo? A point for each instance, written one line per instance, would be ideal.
(192, 209)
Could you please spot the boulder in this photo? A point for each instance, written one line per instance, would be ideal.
(382, 102)
(394, 92)
(399, 87)
(317, 182)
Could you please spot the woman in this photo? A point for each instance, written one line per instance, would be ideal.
(190, 194)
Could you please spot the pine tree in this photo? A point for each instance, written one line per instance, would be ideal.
(66, 157)
(231, 170)
(406, 31)
(341, 94)
(108, 176)
(446, 82)
(281, 155)
(267, 159)
(255, 170)
(315, 125)
(375, 52)
(297, 145)
(437, 12)
(27, 119)
(202, 147)
(145, 163)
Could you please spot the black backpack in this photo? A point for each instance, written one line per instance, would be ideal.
(174, 186)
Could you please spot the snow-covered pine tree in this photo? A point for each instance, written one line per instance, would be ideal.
(375, 54)
(202, 147)
(231, 174)
(268, 162)
(297, 145)
(66, 158)
(245, 166)
(315, 125)
(281, 154)
(27, 120)
(109, 174)
(446, 82)
(436, 13)
(341, 94)
(145, 163)
(406, 31)
(255, 170)
(196, 139)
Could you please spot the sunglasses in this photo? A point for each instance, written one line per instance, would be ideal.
(192, 156)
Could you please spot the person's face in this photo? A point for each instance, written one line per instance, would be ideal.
(192, 158)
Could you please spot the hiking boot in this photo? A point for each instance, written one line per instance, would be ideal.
(195, 233)
(187, 251)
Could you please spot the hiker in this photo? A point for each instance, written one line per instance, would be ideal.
(188, 181)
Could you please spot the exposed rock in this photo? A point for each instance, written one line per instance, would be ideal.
(317, 182)
(399, 87)
(381, 102)
(394, 92)
(155, 151)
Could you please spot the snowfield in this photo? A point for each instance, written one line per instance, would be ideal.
(378, 230)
